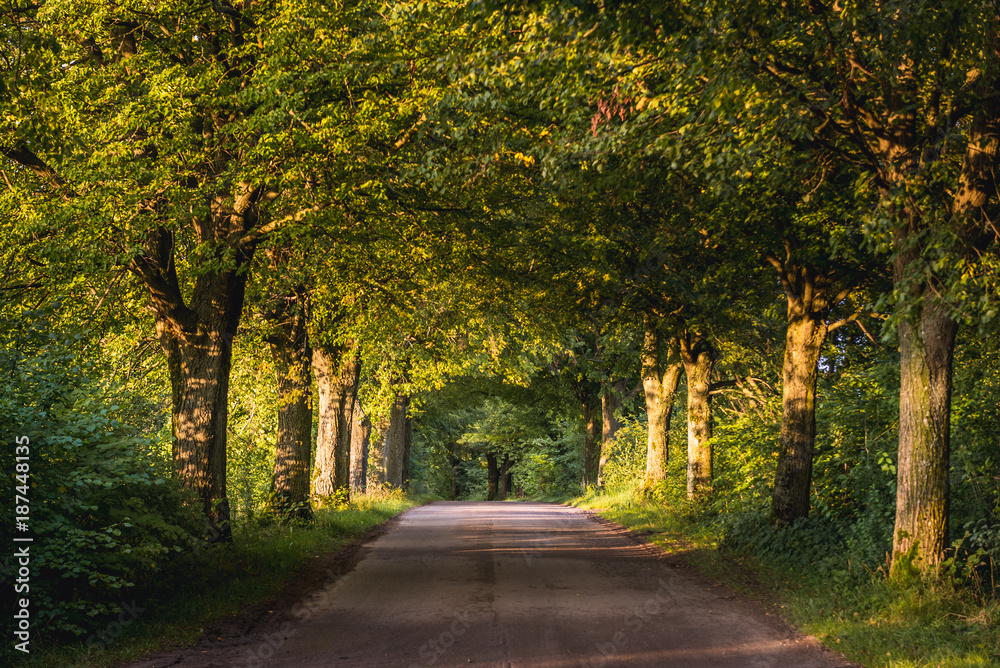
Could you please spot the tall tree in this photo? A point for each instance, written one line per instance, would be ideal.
(698, 355)
(661, 375)
(905, 93)
(361, 430)
(397, 442)
(160, 139)
(337, 370)
(289, 343)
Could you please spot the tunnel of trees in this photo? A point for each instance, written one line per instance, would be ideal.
(258, 257)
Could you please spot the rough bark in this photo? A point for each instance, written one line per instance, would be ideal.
(925, 350)
(505, 477)
(591, 443)
(196, 336)
(611, 401)
(659, 383)
(292, 357)
(377, 477)
(395, 442)
(806, 330)
(927, 336)
(361, 430)
(927, 333)
(492, 476)
(337, 374)
(698, 356)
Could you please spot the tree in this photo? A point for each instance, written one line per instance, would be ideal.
(337, 371)
(361, 430)
(289, 343)
(907, 95)
(159, 139)
(661, 375)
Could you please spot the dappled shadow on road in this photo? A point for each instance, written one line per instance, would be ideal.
(537, 585)
(515, 585)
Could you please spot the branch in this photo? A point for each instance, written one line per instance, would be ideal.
(844, 321)
(27, 158)
(256, 234)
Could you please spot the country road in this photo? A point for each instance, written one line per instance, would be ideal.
(515, 584)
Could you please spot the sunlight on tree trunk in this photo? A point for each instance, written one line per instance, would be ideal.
(793, 478)
(926, 348)
(377, 476)
(361, 430)
(659, 384)
(197, 340)
(808, 304)
(698, 356)
(591, 444)
(337, 385)
(292, 358)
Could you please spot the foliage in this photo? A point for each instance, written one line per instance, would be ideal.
(873, 620)
(251, 570)
(626, 461)
(105, 517)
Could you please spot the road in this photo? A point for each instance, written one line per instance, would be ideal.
(521, 585)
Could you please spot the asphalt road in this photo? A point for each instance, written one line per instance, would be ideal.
(521, 585)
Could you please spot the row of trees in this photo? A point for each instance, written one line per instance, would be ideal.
(836, 145)
(225, 157)
(612, 194)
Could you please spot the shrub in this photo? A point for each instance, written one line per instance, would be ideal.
(103, 517)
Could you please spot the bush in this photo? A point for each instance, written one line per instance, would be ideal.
(103, 517)
(626, 461)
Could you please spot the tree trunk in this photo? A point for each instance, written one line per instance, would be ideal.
(361, 429)
(200, 369)
(804, 337)
(925, 351)
(611, 401)
(407, 449)
(454, 461)
(698, 356)
(492, 476)
(337, 375)
(591, 444)
(659, 383)
(926, 348)
(395, 442)
(926, 345)
(377, 453)
(290, 350)
(197, 339)
(505, 477)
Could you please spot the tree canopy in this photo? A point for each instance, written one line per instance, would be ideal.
(511, 248)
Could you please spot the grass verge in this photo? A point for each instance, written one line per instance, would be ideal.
(871, 620)
(251, 570)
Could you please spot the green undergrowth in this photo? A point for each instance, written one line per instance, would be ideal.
(939, 622)
(259, 562)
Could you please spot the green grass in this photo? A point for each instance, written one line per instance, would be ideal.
(874, 621)
(254, 568)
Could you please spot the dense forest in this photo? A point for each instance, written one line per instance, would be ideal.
(733, 260)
